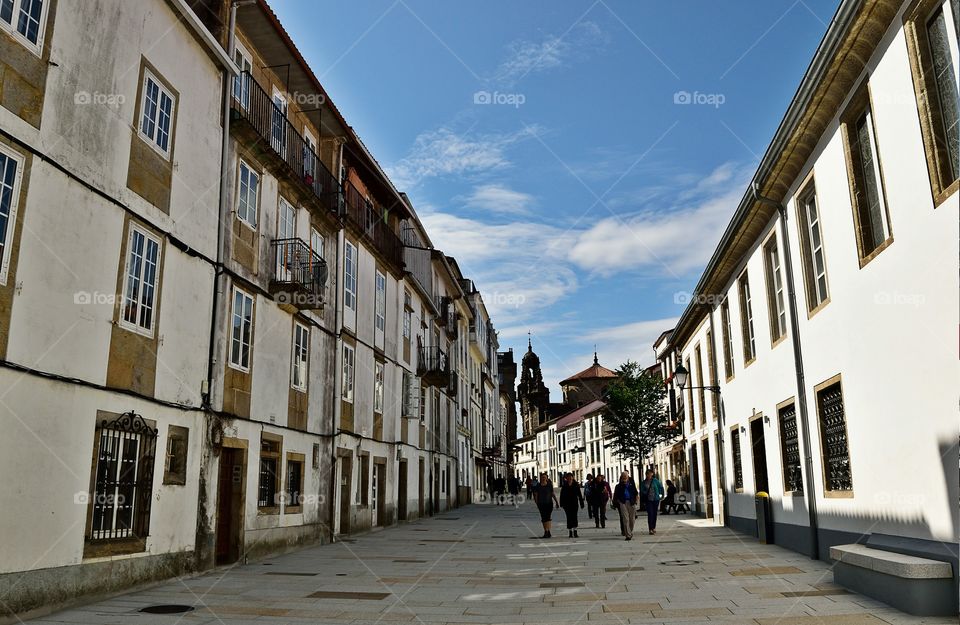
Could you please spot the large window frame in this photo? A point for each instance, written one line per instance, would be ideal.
(248, 194)
(813, 254)
(835, 458)
(141, 281)
(270, 470)
(776, 307)
(747, 332)
(380, 303)
(158, 108)
(378, 386)
(241, 330)
(348, 371)
(350, 276)
(11, 174)
(16, 18)
(943, 166)
(300, 353)
(727, 336)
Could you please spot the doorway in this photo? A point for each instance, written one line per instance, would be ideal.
(420, 476)
(402, 491)
(707, 478)
(230, 505)
(695, 477)
(759, 449)
(380, 494)
(346, 475)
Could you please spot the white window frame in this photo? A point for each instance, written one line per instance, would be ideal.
(350, 276)
(148, 238)
(278, 119)
(162, 90)
(317, 242)
(241, 87)
(12, 26)
(808, 197)
(349, 368)
(5, 257)
(299, 366)
(771, 252)
(378, 379)
(240, 366)
(746, 317)
(380, 314)
(252, 174)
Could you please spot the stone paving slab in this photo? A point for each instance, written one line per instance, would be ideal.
(484, 564)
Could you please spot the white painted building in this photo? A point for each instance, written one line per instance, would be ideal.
(827, 315)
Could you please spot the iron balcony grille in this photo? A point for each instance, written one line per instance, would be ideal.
(434, 366)
(120, 505)
(369, 219)
(298, 156)
(300, 274)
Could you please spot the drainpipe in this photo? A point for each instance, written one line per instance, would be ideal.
(721, 425)
(798, 367)
(337, 383)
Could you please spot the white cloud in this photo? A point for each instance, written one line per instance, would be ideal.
(674, 239)
(550, 52)
(445, 152)
(498, 198)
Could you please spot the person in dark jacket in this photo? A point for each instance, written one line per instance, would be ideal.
(587, 492)
(570, 499)
(651, 492)
(546, 500)
(625, 498)
(670, 499)
(601, 495)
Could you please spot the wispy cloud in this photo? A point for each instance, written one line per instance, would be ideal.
(550, 52)
(497, 198)
(674, 238)
(445, 152)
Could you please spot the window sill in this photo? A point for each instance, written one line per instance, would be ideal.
(271, 511)
(778, 340)
(747, 363)
(813, 311)
(946, 194)
(838, 494)
(113, 547)
(865, 260)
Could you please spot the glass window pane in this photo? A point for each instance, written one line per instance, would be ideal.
(946, 79)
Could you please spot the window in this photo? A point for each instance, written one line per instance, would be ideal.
(301, 355)
(837, 476)
(790, 448)
(931, 34)
(737, 459)
(381, 303)
(309, 155)
(242, 330)
(269, 482)
(278, 130)
(701, 398)
(746, 320)
(349, 362)
(350, 276)
(24, 18)
(241, 82)
(248, 195)
(690, 399)
(141, 274)
(175, 463)
(123, 482)
(316, 242)
(727, 328)
(10, 167)
(870, 213)
(777, 312)
(378, 387)
(293, 495)
(712, 374)
(156, 114)
(407, 315)
(814, 266)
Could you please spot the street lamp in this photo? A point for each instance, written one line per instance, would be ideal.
(681, 376)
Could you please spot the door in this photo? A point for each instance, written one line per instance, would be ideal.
(402, 491)
(420, 477)
(286, 233)
(230, 505)
(707, 478)
(380, 494)
(346, 475)
(759, 448)
(375, 495)
(695, 478)
(278, 133)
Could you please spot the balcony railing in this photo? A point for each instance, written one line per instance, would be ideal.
(294, 154)
(434, 366)
(300, 274)
(369, 219)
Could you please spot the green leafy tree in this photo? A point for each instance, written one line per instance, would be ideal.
(636, 413)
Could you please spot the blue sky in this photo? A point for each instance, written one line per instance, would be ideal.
(580, 159)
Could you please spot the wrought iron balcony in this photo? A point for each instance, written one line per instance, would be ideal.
(300, 274)
(434, 366)
(280, 145)
(369, 219)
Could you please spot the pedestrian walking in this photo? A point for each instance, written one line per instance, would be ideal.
(587, 491)
(625, 498)
(546, 501)
(571, 498)
(500, 485)
(651, 491)
(601, 495)
(530, 486)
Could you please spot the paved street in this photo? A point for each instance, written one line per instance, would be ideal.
(480, 564)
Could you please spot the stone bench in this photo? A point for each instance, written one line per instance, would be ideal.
(912, 584)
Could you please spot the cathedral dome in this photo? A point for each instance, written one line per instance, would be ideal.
(530, 359)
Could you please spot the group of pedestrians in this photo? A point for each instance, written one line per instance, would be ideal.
(596, 496)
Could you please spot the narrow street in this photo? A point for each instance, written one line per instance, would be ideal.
(481, 564)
